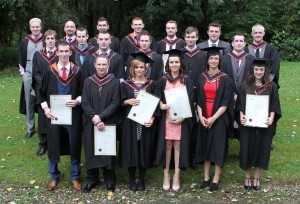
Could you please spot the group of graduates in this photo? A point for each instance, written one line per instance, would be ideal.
(104, 75)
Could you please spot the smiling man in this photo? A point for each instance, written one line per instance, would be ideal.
(70, 29)
(214, 33)
(27, 47)
(100, 101)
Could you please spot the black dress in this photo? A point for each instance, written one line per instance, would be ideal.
(211, 144)
(255, 143)
(186, 126)
(134, 152)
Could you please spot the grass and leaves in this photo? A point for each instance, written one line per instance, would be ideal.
(23, 175)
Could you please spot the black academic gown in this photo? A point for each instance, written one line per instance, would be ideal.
(156, 66)
(186, 127)
(58, 143)
(114, 45)
(178, 43)
(133, 154)
(194, 63)
(90, 49)
(104, 104)
(273, 64)
(22, 59)
(255, 143)
(40, 63)
(128, 46)
(211, 144)
(115, 65)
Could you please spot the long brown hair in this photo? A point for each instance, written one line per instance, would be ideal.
(249, 83)
(182, 67)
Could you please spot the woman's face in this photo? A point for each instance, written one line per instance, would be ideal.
(259, 72)
(139, 69)
(174, 64)
(213, 61)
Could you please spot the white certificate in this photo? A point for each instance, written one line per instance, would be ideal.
(105, 142)
(62, 113)
(257, 110)
(144, 111)
(179, 103)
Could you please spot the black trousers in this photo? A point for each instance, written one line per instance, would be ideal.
(109, 176)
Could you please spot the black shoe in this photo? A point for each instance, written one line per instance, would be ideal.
(88, 187)
(41, 151)
(133, 186)
(29, 135)
(111, 187)
(248, 187)
(141, 185)
(213, 186)
(205, 184)
(258, 186)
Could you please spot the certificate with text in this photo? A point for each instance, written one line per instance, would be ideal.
(62, 113)
(105, 141)
(179, 103)
(257, 110)
(144, 111)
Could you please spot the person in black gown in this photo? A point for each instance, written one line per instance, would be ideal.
(255, 142)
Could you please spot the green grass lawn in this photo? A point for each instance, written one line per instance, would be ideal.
(19, 165)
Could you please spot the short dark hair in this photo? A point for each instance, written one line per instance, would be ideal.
(214, 24)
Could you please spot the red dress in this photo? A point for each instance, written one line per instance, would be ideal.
(210, 90)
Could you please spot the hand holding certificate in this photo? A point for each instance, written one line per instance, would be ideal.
(105, 141)
(142, 113)
(257, 110)
(62, 113)
(178, 101)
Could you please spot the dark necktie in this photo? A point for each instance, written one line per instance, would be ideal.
(69, 40)
(257, 53)
(50, 53)
(137, 39)
(64, 74)
(213, 45)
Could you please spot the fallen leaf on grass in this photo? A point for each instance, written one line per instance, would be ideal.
(32, 182)
(110, 193)
(8, 154)
(9, 189)
(234, 200)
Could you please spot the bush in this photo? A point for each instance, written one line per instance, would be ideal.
(290, 49)
(8, 57)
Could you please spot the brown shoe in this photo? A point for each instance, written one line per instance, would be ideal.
(76, 185)
(51, 186)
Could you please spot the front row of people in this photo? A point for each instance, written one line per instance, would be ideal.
(160, 141)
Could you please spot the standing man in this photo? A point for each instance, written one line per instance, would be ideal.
(103, 26)
(155, 68)
(261, 49)
(131, 42)
(214, 33)
(27, 47)
(63, 78)
(170, 42)
(100, 107)
(41, 62)
(70, 29)
(193, 58)
(115, 60)
(81, 48)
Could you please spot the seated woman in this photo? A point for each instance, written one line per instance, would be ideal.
(137, 141)
(174, 133)
(214, 98)
(255, 142)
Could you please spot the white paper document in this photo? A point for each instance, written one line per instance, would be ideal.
(62, 113)
(257, 110)
(144, 111)
(179, 103)
(105, 142)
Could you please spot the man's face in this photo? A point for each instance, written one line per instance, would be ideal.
(258, 34)
(101, 65)
(137, 26)
(35, 28)
(102, 26)
(104, 41)
(171, 29)
(70, 28)
(238, 43)
(63, 52)
(50, 41)
(214, 33)
(145, 42)
(191, 39)
(81, 37)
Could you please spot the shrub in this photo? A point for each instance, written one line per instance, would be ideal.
(8, 57)
(290, 49)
